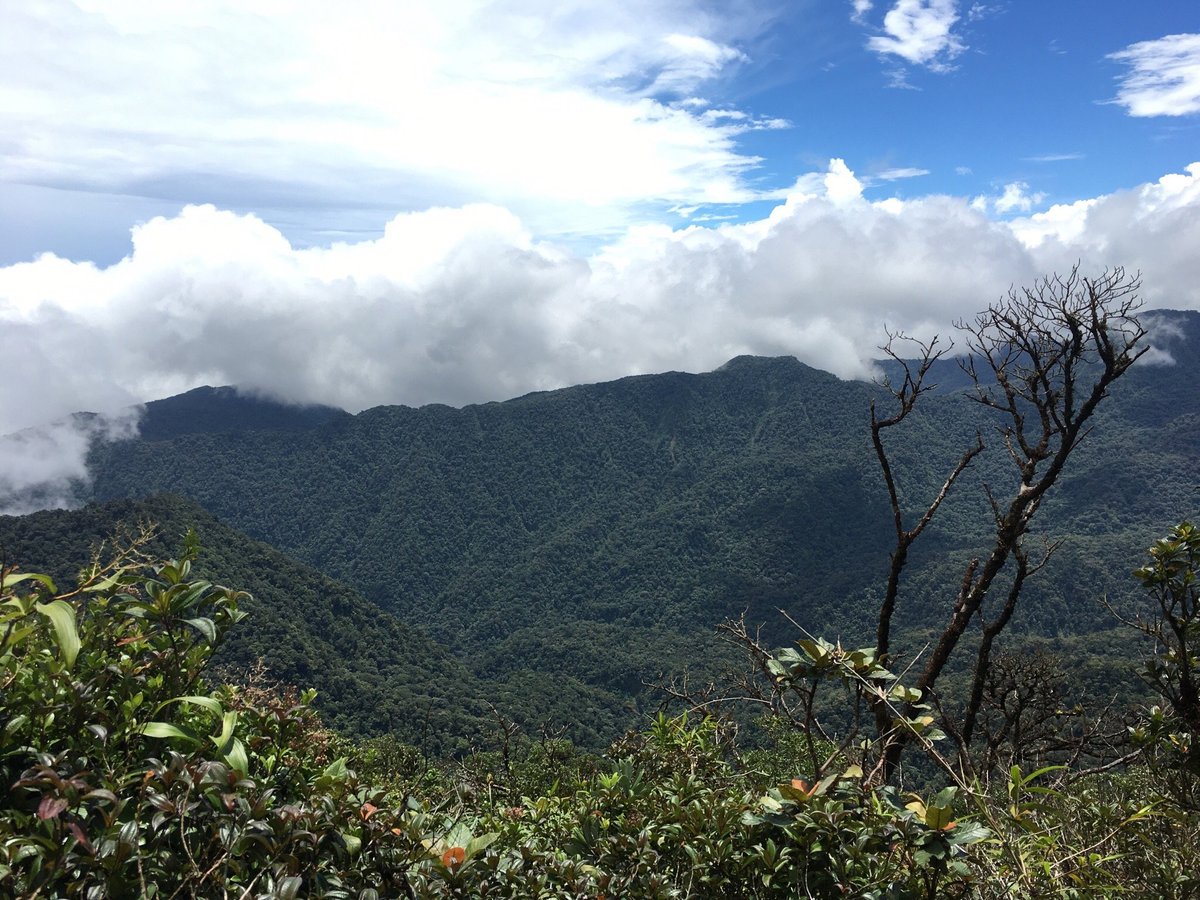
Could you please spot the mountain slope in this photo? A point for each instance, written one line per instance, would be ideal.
(595, 535)
(225, 409)
(374, 674)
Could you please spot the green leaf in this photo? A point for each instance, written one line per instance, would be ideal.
(104, 584)
(16, 636)
(167, 730)
(969, 833)
(1033, 776)
(208, 703)
(459, 836)
(475, 845)
(224, 740)
(353, 842)
(938, 817)
(237, 759)
(336, 769)
(45, 580)
(62, 617)
(206, 627)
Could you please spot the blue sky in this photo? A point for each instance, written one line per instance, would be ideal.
(1030, 95)
(402, 201)
(326, 123)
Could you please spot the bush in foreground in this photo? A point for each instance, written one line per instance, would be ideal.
(126, 774)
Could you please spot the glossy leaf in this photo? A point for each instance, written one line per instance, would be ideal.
(62, 617)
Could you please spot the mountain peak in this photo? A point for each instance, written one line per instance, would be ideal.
(210, 409)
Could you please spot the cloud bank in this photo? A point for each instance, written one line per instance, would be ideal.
(462, 304)
(458, 305)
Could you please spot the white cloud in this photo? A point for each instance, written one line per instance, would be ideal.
(737, 121)
(563, 114)
(45, 467)
(1164, 76)
(1054, 157)
(1063, 221)
(1016, 197)
(462, 304)
(1163, 332)
(693, 60)
(898, 173)
(861, 8)
(1153, 228)
(920, 32)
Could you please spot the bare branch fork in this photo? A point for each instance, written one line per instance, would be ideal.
(1042, 358)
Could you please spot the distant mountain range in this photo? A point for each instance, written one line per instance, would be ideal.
(570, 545)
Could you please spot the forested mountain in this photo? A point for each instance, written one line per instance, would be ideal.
(576, 542)
(373, 673)
(224, 409)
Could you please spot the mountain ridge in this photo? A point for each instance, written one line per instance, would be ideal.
(582, 541)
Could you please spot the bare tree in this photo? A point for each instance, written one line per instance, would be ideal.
(1042, 359)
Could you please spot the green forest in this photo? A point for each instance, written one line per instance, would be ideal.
(751, 633)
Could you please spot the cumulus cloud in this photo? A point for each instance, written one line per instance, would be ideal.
(1163, 77)
(1015, 197)
(920, 32)
(463, 304)
(45, 467)
(859, 9)
(1153, 228)
(566, 114)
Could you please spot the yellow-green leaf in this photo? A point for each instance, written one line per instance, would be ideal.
(62, 617)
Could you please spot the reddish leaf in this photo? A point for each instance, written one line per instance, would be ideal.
(80, 836)
(50, 807)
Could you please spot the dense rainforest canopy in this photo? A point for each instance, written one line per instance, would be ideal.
(584, 541)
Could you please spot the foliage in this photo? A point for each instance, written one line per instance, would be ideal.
(373, 674)
(127, 773)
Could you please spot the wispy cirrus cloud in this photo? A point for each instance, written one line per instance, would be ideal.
(571, 114)
(1053, 157)
(900, 172)
(1163, 77)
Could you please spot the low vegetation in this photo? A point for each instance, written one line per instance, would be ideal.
(130, 771)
